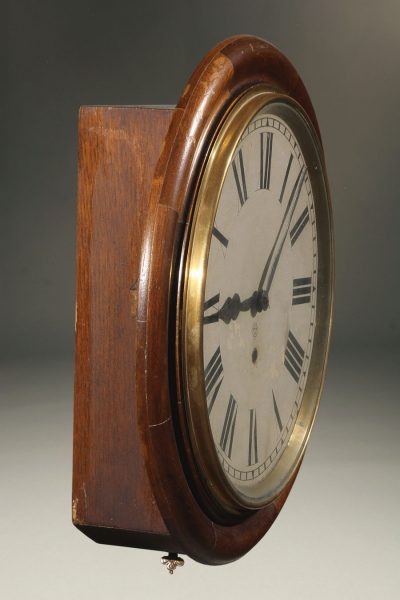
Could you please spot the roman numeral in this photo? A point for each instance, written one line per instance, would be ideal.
(213, 376)
(228, 430)
(285, 178)
(301, 290)
(299, 225)
(265, 159)
(220, 237)
(294, 357)
(253, 452)
(213, 318)
(240, 178)
(276, 411)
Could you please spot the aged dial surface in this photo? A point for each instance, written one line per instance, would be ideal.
(260, 301)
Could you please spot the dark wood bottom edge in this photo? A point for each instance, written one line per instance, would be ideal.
(130, 539)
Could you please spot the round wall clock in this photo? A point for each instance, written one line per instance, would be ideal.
(250, 318)
(232, 303)
(236, 297)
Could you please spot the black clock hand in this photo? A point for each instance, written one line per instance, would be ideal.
(232, 306)
(275, 254)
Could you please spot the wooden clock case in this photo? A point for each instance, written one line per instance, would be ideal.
(134, 479)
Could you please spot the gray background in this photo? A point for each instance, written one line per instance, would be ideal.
(338, 535)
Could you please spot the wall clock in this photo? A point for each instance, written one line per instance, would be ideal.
(204, 303)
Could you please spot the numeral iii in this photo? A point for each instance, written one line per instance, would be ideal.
(301, 290)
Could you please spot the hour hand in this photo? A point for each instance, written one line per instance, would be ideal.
(233, 306)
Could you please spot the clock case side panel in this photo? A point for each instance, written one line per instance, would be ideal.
(228, 71)
(112, 501)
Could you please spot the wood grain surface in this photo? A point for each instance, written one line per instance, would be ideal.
(112, 497)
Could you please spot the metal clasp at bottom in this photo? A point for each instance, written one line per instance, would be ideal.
(172, 561)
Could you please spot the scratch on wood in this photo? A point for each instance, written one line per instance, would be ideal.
(133, 291)
(74, 509)
(75, 518)
(162, 423)
(85, 496)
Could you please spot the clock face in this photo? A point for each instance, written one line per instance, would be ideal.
(257, 304)
(260, 301)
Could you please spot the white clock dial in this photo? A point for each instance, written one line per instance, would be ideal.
(260, 301)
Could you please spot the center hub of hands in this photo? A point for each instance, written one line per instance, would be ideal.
(258, 302)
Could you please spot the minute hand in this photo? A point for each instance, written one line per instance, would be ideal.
(273, 259)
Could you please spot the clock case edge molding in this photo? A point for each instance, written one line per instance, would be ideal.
(134, 482)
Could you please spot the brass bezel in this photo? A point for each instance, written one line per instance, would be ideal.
(216, 482)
